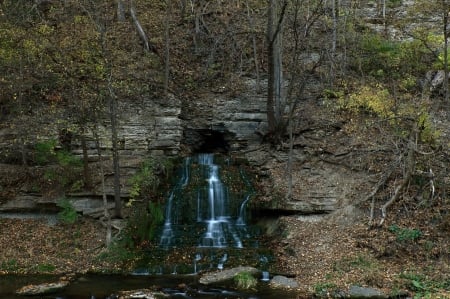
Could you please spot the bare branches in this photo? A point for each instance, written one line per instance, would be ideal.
(410, 160)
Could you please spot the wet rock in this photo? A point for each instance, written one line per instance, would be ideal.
(41, 289)
(214, 277)
(356, 292)
(140, 294)
(280, 281)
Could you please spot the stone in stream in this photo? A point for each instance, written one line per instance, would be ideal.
(41, 289)
(219, 276)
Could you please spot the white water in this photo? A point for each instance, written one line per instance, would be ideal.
(210, 204)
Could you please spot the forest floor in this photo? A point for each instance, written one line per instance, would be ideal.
(322, 256)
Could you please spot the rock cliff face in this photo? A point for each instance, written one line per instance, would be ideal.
(154, 127)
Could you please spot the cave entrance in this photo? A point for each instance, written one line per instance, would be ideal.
(207, 140)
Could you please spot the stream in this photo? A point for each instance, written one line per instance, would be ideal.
(103, 286)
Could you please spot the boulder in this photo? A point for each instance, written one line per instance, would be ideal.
(42, 289)
(219, 276)
(280, 281)
(357, 292)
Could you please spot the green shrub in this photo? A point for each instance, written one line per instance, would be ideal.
(405, 234)
(67, 159)
(323, 289)
(45, 268)
(145, 180)
(423, 286)
(245, 280)
(68, 214)
(10, 265)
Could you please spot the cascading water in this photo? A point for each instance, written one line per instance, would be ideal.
(205, 217)
(219, 227)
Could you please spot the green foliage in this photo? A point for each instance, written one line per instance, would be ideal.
(45, 268)
(142, 227)
(140, 231)
(9, 265)
(428, 132)
(147, 179)
(387, 60)
(405, 234)
(423, 285)
(67, 159)
(355, 262)
(144, 181)
(44, 152)
(68, 214)
(245, 280)
(63, 167)
(323, 289)
(118, 252)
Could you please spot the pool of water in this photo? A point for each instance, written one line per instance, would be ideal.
(102, 286)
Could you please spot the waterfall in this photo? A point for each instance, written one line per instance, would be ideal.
(168, 234)
(199, 208)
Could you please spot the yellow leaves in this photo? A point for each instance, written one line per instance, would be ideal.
(45, 29)
(80, 19)
(374, 99)
(428, 133)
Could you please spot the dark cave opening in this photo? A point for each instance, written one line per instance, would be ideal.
(207, 140)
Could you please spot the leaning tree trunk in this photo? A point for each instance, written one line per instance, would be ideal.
(139, 28)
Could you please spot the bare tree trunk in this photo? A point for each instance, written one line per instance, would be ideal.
(196, 35)
(115, 149)
(255, 52)
(271, 67)
(167, 46)
(334, 11)
(139, 28)
(275, 80)
(23, 148)
(290, 159)
(105, 199)
(445, 12)
(86, 173)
